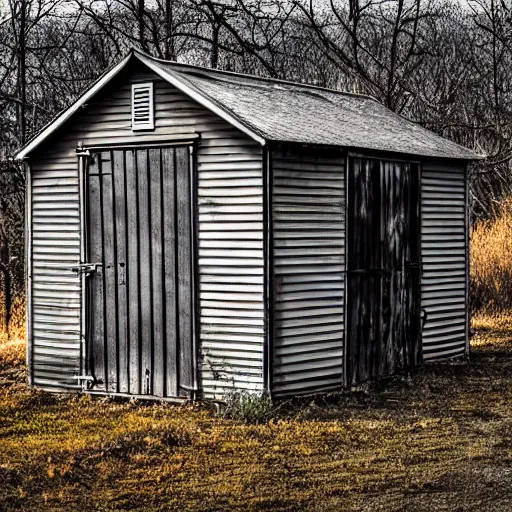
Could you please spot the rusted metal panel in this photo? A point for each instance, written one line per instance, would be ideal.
(383, 268)
(308, 226)
(230, 235)
(445, 259)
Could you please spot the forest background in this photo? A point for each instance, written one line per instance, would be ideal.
(445, 64)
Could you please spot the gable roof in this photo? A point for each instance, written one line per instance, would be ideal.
(275, 110)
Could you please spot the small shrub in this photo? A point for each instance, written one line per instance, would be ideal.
(247, 407)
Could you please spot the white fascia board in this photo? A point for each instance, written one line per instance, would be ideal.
(201, 99)
(60, 120)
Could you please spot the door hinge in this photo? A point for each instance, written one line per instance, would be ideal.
(86, 268)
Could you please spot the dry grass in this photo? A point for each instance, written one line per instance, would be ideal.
(440, 440)
(491, 261)
(16, 330)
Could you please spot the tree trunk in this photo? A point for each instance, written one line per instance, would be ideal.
(169, 36)
(140, 16)
(22, 79)
(214, 57)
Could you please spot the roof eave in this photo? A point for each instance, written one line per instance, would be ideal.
(468, 156)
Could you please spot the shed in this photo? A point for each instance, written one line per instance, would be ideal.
(193, 232)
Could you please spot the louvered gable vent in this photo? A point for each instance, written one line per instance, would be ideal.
(143, 116)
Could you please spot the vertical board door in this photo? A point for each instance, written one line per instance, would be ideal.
(383, 268)
(139, 304)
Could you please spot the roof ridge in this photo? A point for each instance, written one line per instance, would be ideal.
(255, 77)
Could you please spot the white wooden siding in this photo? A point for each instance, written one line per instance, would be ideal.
(444, 258)
(308, 213)
(55, 287)
(230, 235)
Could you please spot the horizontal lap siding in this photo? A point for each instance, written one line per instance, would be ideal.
(444, 251)
(55, 287)
(230, 236)
(231, 265)
(308, 214)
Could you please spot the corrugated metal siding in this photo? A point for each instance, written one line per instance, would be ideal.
(230, 236)
(308, 219)
(443, 251)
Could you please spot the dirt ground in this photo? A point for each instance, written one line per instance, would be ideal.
(440, 439)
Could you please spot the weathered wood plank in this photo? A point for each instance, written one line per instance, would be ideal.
(110, 273)
(155, 190)
(146, 327)
(121, 266)
(184, 266)
(95, 283)
(169, 270)
(132, 269)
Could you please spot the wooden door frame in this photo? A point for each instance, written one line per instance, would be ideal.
(358, 154)
(83, 152)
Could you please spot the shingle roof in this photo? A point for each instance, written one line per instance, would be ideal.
(274, 110)
(290, 112)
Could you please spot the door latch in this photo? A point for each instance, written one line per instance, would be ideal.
(424, 317)
(85, 381)
(86, 268)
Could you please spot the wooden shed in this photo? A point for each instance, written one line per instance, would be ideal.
(193, 232)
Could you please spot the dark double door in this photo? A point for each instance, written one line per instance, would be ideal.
(139, 300)
(383, 268)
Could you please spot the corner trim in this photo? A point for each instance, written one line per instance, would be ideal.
(344, 376)
(28, 274)
(268, 270)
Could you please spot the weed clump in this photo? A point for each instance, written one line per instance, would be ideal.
(250, 408)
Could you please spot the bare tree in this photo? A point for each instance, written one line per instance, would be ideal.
(378, 44)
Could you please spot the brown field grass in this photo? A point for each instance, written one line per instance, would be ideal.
(16, 330)
(437, 440)
(440, 439)
(491, 261)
